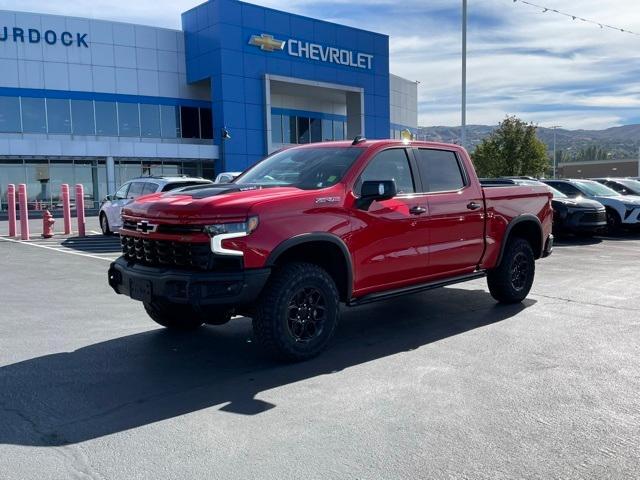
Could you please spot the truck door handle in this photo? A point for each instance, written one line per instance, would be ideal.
(417, 210)
(473, 206)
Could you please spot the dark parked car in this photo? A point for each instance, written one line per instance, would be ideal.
(624, 186)
(570, 215)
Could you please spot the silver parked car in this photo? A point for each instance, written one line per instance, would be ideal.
(227, 177)
(112, 205)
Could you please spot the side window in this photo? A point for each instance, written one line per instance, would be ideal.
(440, 170)
(149, 188)
(616, 186)
(122, 192)
(390, 164)
(567, 189)
(135, 190)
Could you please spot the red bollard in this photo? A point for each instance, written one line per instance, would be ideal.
(24, 213)
(47, 224)
(66, 208)
(11, 198)
(80, 209)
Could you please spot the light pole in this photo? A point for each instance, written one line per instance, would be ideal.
(555, 156)
(463, 128)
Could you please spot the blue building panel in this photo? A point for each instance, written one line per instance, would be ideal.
(218, 47)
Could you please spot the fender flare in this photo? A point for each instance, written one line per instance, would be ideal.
(525, 217)
(315, 237)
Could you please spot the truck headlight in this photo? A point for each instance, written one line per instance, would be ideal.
(228, 231)
(241, 227)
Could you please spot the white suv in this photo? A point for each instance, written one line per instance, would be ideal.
(112, 205)
(622, 210)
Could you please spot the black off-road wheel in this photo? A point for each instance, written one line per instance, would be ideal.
(104, 224)
(297, 313)
(184, 317)
(511, 281)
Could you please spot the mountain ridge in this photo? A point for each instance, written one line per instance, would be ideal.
(617, 142)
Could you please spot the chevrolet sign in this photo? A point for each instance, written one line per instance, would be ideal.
(50, 37)
(312, 51)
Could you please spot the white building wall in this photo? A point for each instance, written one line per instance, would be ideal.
(403, 98)
(121, 58)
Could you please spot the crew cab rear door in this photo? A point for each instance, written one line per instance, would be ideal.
(456, 212)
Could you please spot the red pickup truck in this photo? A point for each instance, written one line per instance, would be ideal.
(317, 225)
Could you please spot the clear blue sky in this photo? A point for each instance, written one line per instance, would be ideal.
(544, 68)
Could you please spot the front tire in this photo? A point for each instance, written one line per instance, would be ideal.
(297, 313)
(104, 224)
(511, 281)
(614, 222)
(184, 317)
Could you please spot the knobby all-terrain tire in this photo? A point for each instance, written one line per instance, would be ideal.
(283, 296)
(511, 281)
(104, 224)
(184, 317)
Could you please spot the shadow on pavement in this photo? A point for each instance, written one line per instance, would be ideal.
(94, 244)
(128, 382)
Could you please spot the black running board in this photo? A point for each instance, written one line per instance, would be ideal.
(376, 297)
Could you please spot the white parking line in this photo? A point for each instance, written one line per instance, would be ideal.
(59, 248)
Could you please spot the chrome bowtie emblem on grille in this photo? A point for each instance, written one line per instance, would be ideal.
(146, 227)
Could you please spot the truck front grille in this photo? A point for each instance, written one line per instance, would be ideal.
(167, 253)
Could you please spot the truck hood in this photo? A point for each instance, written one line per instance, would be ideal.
(214, 203)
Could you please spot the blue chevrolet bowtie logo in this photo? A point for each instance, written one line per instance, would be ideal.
(266, 42)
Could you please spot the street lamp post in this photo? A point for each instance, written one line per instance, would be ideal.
(555, 156)
(463, 128)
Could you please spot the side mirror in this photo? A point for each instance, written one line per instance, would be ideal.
(108, 198)
(376, 191)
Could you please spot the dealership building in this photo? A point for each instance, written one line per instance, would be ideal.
(98, 102)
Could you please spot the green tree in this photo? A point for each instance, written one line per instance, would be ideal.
(512, 149)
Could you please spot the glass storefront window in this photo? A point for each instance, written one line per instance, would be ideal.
(206, 123)
(10, 115)
(327, 130)
(315, 128)
(106, 119)
(34, 119)
(38, 178)
(288, 129)
(128, 120)
(58, 115)
(303, 130)
(170, 119)
(190, 122)
(11, 171)
(85, 172)
(338, 130)
(61, 172)
(276, 128)
(82, 117)
(127, 170)
(150, 120)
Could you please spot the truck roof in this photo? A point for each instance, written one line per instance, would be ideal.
(373, 143)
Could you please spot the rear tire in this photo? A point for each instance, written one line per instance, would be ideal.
(297, 313)
(104, 224)
(511, 281)
(184, 317)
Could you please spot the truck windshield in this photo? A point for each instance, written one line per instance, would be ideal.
(305, 168)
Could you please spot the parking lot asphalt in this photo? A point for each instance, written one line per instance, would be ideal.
(443, 384)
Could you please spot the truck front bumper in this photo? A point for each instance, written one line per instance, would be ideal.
(148, 284)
